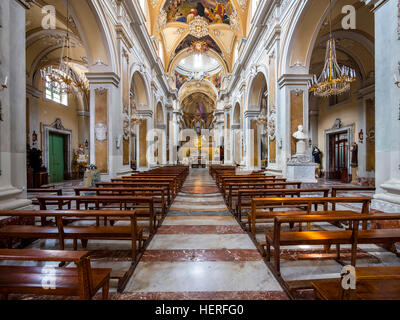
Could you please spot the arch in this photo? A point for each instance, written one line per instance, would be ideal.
(258, 87)
(302, 35)
(183, 53)
(159, 118)
(93, 28)
(204, 86)
(140, 90)
(236, 114)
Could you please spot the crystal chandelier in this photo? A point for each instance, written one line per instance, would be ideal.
(62, 76)
(333, 79)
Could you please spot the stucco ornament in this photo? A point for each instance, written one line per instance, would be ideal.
(100, 131)
(198, 27)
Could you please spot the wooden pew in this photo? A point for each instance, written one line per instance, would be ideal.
(256, 214)
(82, 281)
(48, 191)
(158, 194)
(221, 179)
(376, 273)
(385, 289)
(226, 182)
(234, 188)
(61, 232)
(212, 169)
(144, 206)
(341, 189)
(244, 196)
(171, 181)
(139, 184)
(353, 236)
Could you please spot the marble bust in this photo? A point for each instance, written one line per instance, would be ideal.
(301, 143)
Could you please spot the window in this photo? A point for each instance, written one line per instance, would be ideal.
(54, 93)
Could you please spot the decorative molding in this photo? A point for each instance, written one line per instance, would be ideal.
(100, 131)
(198, 27)
(100, 90)
(103, 78)
(57, 124)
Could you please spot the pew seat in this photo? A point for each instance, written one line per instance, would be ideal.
(82, 281)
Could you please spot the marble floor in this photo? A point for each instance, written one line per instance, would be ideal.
(201, 252)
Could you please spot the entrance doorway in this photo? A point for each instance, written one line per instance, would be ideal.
(56, 157)
(339, 156)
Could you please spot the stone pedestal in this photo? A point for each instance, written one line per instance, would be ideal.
(300, 168)
(353, 175)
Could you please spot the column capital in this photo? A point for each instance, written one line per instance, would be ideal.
(251, 114)
(103, 78)
(295, 80)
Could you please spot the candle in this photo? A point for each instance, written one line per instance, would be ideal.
(5, 82)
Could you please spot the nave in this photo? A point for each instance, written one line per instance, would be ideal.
(202, 251)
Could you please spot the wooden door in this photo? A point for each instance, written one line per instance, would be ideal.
(56, 157)
(339, 155)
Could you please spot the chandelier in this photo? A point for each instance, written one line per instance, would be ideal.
(333, 79)
(62, 76)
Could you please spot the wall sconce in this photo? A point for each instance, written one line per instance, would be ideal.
(86, 144)
(396, 79)
(118, 141)
(361, 136)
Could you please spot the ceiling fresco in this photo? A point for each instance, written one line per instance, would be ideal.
(190, 40)
(186, 10)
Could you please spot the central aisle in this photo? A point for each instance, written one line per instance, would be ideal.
(200, 252)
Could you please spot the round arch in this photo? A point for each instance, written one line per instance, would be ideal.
(140, 91)
(258, 87)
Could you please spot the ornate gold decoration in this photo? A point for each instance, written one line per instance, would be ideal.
(154, 3)
(333, 79)
(63, 76)
(198, 27)
(199, 46)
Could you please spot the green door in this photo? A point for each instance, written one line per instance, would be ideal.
(56, 157)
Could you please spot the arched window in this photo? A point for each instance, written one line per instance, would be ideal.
(54, 92)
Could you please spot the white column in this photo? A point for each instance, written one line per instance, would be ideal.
(387, 117)
(13, 106)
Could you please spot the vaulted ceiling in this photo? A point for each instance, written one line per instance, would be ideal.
(178, 24)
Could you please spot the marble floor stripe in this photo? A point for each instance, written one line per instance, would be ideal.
(201, 229)
(200, 241)
(202, 276)
(201, 255)
(185, 212)
(210, 295)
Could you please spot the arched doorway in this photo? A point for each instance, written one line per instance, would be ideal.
(139, 121)
(258, 103)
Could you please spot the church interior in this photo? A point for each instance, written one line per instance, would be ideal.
(200, 150)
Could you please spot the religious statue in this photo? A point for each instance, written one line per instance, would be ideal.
(354, 155)
(301, 143)
(300, 166)
(354, 162)
(80, 161)
(316, 153)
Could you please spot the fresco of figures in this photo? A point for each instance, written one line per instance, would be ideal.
(217, 11)
(209, 43)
